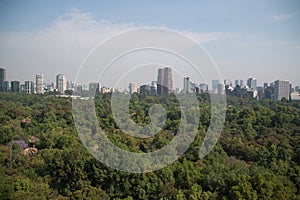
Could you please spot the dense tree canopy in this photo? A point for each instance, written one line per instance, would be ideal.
(256, 157)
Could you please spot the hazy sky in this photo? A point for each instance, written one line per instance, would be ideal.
(256, 38)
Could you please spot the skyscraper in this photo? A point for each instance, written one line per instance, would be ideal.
(227, 82)
(132, 88)
(39, 81)
(214, 84)
(2, 78)
(239, 82)
(61, 83)
(94, 87)
(164, 81)
(220, 89)
(15, 86)
(282, 89)
(29, 87)
(186, 85)
(252, 83)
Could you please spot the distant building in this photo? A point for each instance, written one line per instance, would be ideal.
(186, 85)
(2, 78)
(239, 82)
(132, 88)
(203, 88)
(282, 89)
(70, 85)
(29, 87)
(252, 83)
(104, 90)
(220, 89)
(145, 89)
(228, 82)
(15, 86)
(153, 87)
(39, 83)
(214, 85)
(94, 87)
(6, 86)
(164, 81)
(295, 96)
(61, 83)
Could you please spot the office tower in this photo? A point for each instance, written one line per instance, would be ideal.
(39, 83)
(2, 78)
(15, 86)
(203, 88)
(160, 81)
(215, 84)
(153, 87)
(145, 89)
(94, 87)
(6, 86)
(164, 81)
(132, 88)
(282, 90)
(239, 82)
(186, 85)
(266, 84)
(252, 83)
(220, 89)
(61, 83)
(70, 85)
(227, 82)
(29, 87)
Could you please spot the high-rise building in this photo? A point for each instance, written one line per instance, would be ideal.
(252, 83)
(15, 86)
(145, 89)
(227, 82)
(239, 82)
(94, 87)
(61, 83)
(132, 88)
(220, 89)
(2, 78)
(164, 81)
(214, 84)
(29, 87)
(39, 83)
(282, 89)
(203, 88)
(70, 85)
(5, 86)
(186, 85)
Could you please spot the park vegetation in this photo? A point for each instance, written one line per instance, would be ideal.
(42, 157)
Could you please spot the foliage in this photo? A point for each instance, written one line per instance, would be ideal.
(257, 156)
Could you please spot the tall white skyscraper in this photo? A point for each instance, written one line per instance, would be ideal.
(39, 82)
(61, 83)
(282, 89)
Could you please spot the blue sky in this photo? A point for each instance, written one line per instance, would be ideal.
(245, 38)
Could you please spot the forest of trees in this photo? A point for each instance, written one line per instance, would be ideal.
(42, 157)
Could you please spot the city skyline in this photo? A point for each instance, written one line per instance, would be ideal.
(257, 38)
(275, 90)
